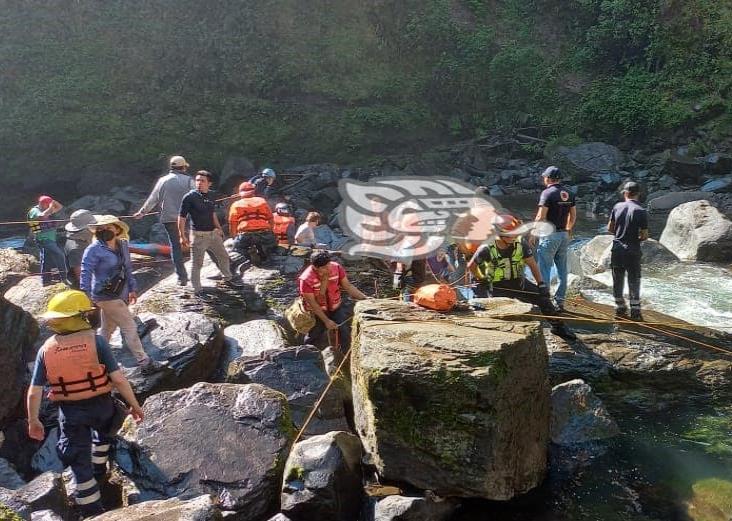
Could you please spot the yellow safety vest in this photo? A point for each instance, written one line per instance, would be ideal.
(498, 267)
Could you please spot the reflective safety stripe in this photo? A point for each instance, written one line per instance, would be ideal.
(499, 268)
(101, 448)
(86, 485)
(99, 459)
(89, 499)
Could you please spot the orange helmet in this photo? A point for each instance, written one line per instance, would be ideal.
(506, 224)
(246, 189)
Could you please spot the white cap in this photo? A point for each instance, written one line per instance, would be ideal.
(178, 161)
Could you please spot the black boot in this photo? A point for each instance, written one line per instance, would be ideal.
(562, 331)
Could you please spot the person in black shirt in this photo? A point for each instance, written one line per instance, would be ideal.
(206, 231)
(629, 224)
(557, 206)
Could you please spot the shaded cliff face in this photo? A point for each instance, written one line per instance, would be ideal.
(115, 87)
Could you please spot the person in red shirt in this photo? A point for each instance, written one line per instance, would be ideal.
(320, 287)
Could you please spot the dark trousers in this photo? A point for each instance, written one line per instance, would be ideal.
(176, 253)
(265, 239)
(520, 289)
(344, 330)
(624, 263)
(52, 256)
(83, 445)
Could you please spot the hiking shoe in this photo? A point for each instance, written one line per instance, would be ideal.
(151, 366)
(562, 331)
(182, 282)
(233, 283)
(636, 315)
(560, 308)
(621, 313)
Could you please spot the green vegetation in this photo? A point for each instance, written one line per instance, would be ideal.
(296, 81)
(714, 433)
(7, 514)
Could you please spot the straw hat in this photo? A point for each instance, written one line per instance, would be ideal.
(103, 220)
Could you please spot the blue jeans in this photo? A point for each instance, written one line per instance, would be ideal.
(52, 256)
(551, 250)
(175, 251)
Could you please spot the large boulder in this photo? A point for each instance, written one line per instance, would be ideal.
(578, 416)
(719, 164)
(698, 231)
(720, 186)
(202, 508)
(588, 159)
(227, 440)
(255, 337)
(18, 332)
(9, 478)
(323, 479)
(46, 492)
(669, 201)
(236, 170)
(683, 168)
(453, 403)
(403, 508)
(299, 373)
(32, 296)
(594, 256)
(14, 267)
(189, 343)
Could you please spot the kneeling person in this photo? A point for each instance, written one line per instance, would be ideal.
(250, 219)
(206, 232)
(320, 288)
(499, 268)
(81, 371)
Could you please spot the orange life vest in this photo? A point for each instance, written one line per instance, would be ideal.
(332, 298)
(250, 214)
(281, 224)
(73, 368)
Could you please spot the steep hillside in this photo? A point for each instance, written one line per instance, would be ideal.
(120, 84)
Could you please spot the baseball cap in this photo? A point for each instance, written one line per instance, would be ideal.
(631, 187)
(178, 161)
(45, 199)
(552, 172)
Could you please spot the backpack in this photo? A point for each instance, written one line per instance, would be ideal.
(299, 317)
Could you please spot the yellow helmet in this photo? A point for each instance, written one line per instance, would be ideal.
(68, 304)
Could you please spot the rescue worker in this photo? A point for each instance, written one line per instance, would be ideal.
(250, 221)
(499, 269)
(320, 287)
(167, 195)
(265, 184)
(81, 371)
(557, 206)
(284, 225)
(629, 224)
(78, 238)
(44, 234)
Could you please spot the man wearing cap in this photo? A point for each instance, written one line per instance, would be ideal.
(167, 196)
(206, 232)
(251, 221)
(44, 234)
(78, 237)
(629, 224)
(556, 206)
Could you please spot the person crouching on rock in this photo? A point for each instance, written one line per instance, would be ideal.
(320, 287)
(106, 276)
(81, 371)
(250, 219)
(499, 269)
(206, 232)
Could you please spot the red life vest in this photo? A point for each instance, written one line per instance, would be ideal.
(281, 224)
(73, 368)
(332, 298)
(250, 214)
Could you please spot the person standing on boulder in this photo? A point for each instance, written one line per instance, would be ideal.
(106, 277)
(557, 206)
(320, 287)
(629, 223)
(78, 238)
(44, 234)
(81, 371)
(499, 270)
(167, 195)
(206, 232)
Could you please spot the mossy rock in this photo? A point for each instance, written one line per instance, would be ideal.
(711, 500)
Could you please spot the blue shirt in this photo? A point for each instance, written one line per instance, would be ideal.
(104, 353)
(99, 264)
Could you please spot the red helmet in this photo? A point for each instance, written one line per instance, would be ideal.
(246, 189)
(506, 223)
(45, 200)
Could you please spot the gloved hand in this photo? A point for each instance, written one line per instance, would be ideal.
(544, 290)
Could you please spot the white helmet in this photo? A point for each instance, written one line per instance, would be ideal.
(282, 208)
(268, 172)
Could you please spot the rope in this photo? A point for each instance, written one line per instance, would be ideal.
(121, 217)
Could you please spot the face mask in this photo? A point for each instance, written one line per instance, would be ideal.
(104, 235)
